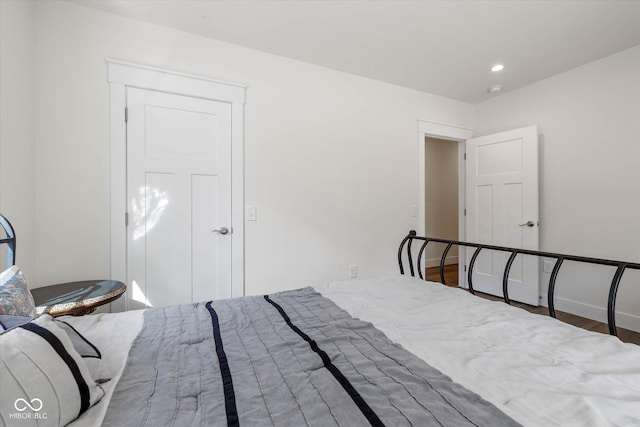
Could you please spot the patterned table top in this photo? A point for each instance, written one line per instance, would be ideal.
(76, 298)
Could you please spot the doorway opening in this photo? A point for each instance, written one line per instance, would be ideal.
(441, 198)
(455, 136)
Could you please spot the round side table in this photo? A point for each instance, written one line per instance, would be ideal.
(76, 298)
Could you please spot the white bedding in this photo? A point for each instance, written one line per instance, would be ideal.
(113, 334)
(538, 370)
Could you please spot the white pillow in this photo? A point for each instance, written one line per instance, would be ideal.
(88, 351)
(90, 354)
(44, 379)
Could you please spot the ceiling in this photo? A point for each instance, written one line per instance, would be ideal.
(441, 47)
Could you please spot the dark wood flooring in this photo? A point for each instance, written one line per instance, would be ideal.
(451, 278)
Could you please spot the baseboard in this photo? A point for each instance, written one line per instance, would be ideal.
(435, 262)
(623, 320)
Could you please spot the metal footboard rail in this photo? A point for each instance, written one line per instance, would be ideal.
(621, 267)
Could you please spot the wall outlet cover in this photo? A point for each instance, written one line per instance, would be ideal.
(353, 271)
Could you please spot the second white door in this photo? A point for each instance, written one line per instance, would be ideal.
(502, 209)
(179, 199)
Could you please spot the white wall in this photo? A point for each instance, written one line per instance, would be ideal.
(589, 124)
(17, 128)
(330, 158)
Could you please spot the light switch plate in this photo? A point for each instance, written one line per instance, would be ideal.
(252, 214)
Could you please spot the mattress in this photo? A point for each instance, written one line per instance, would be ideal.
(535, 369)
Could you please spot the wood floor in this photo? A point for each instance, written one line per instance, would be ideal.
(451, 278)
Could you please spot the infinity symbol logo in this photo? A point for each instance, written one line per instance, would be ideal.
(37, 404)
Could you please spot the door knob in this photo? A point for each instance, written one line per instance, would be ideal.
(223, 230)
(528, 224)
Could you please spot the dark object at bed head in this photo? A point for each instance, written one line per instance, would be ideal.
(9, 240)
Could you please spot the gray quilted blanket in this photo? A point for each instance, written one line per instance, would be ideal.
(289, 359)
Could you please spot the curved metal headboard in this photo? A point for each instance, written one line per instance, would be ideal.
(10, 241)
(621, 266)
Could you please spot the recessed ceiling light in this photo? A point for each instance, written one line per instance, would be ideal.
(497, 67)
(495, 88)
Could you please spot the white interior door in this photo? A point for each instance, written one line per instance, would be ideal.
(178, 193)
(502, 197)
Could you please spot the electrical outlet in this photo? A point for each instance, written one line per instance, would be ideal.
(547, 266)
(353, 271)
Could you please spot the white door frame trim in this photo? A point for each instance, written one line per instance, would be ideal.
(121, 75)
(453, 133)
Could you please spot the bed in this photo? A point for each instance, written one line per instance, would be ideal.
(394, 350)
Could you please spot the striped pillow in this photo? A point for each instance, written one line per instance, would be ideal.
(43, 376)
(86, 349)
(8, 321)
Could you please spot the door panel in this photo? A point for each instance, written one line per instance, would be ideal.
(178, 191)
(499, 158)
(502, 194)
(171, 125)
(163, 242)
(207, 259)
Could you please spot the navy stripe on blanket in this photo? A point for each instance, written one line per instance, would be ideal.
(366, 410)
(227, 381)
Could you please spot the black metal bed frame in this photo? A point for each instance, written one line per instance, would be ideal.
(10, 241)
(621, 266)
